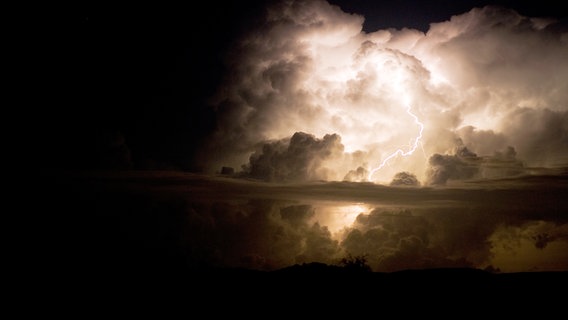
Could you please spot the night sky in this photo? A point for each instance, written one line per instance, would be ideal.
(141, 73)
(412, 134)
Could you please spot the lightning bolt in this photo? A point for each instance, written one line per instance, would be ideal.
(400, 151)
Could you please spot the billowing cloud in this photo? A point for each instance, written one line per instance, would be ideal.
(541, 135)
(358, 175)
(461, 166)
(490, 77)
(513, 224)
(431, 237)
(300, 158)
(256, 234)
(404, 179)
(465, 165)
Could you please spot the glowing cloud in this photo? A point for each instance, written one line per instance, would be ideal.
(310, 68)
(400, 152)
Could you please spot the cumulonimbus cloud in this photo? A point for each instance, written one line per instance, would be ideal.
(300, 158)
(488, 77)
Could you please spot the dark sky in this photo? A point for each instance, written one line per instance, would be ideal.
(141, 72)
(419, 14)
(126, 86)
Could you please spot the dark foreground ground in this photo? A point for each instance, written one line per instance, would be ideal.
(315, 289)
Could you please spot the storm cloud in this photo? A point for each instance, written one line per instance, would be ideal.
(511, 224)
(310, 100)
(300, 158)
(490, 77)
(256, 234)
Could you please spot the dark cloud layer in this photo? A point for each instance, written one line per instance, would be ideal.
(259, 234)
(511, 224)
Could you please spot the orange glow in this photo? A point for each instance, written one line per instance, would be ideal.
(337, 217)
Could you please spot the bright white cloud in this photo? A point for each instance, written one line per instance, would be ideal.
(489, 78)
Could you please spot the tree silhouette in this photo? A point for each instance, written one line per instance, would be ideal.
(355, 263)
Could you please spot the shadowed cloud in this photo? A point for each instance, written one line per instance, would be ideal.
(227, 222)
